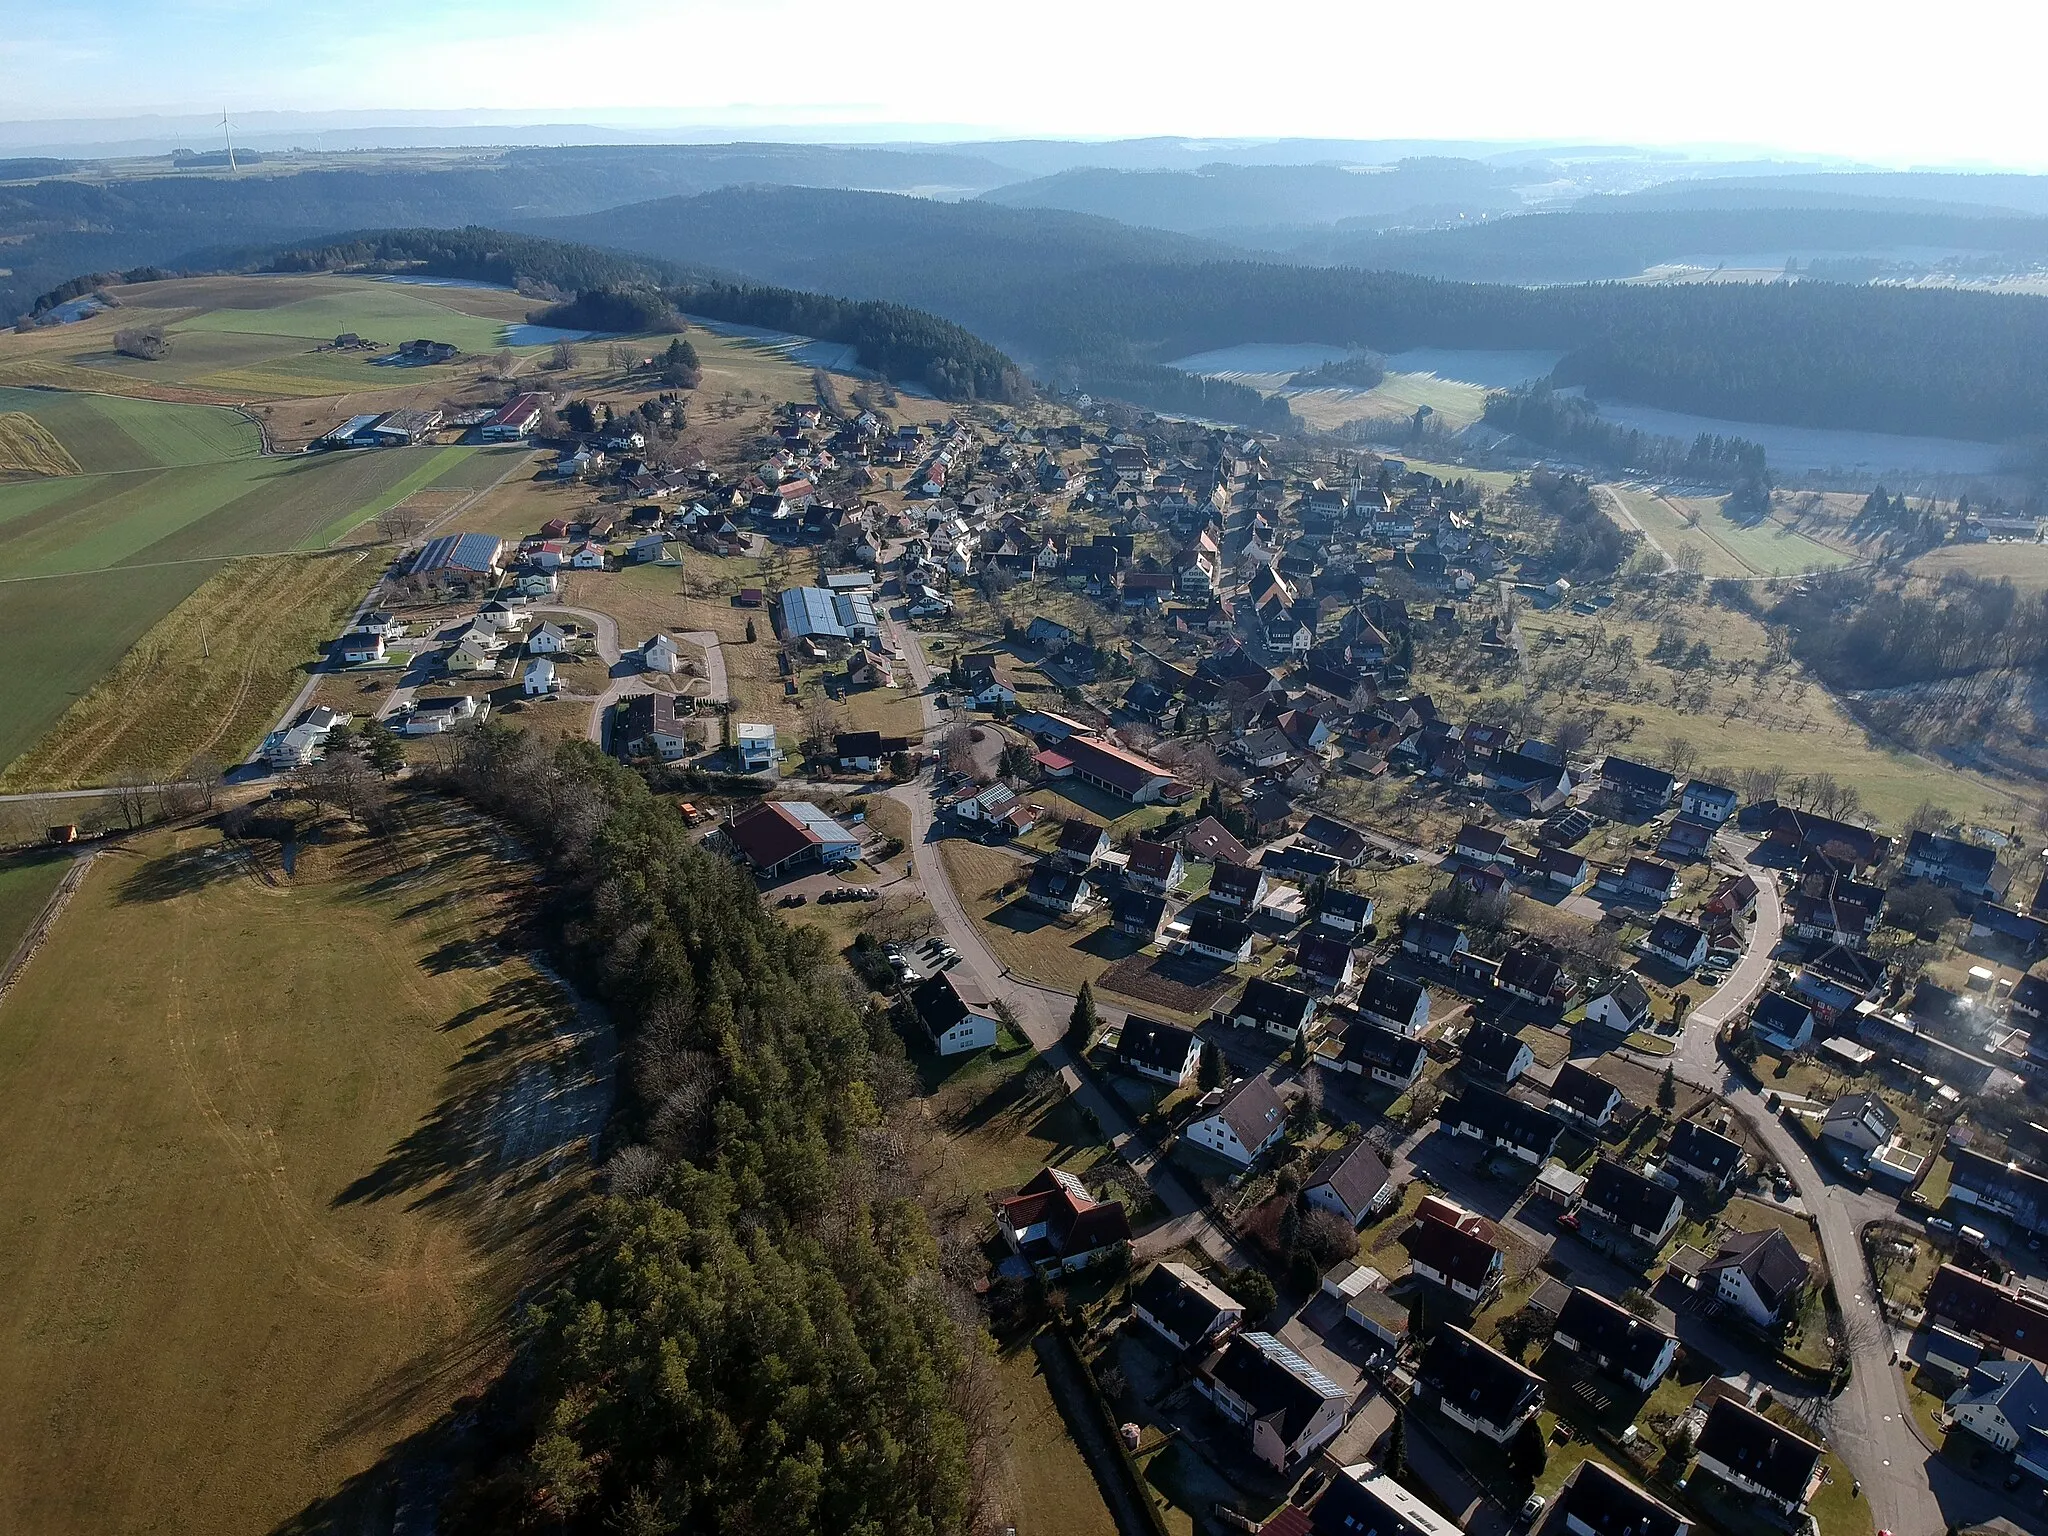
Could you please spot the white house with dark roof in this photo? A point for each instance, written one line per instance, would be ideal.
(957, 1015)
(1624, 1007)
(1352, 1181)
(1183, 1308)
(1251, 1118)
(1678, 943)
(1585, 1096)
(1291, 1409)
(1638, 1205)
(1749, 1452)
(1497, 1053)
(1781, 1021)
(1715, 1160)
(1598, 1501)
(1166, 1053)
(1385, 1055)
(1757, 1273)
(1272, 1006)
(1614, 1340)
(1477, 1387)
(1394, 1002)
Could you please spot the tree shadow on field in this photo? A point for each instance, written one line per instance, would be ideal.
(402, 1491)
(184, 872)
(520, 1092)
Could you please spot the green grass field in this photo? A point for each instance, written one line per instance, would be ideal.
(295, 1158)
(108, 433)
(1767, 548)
(386, 312)
(205, 511)
(69, 632)
(25, 885)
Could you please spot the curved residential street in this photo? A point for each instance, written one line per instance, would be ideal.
(1911, 1492)
(1043, 1013)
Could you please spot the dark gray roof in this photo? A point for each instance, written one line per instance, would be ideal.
(1388, 995)
(1355, 1175)
(1237, 881)
(1182, 1300)
(1465, 1257)
(1708, 1151)
(1277, 1382)
(1766, 1454)
(1674, 935)
(1779, 1014)
(1153, 1043)
(1497, 1115)
(1273, 1002)
(1775, 1268)
(1478, 1380)
(1135, 909)
(1373, 1045)
(1628, 1196)
(1587, 1092)
(1608, 1504)
(1492, 1048)
(1612, 1332)
(1252, 1109)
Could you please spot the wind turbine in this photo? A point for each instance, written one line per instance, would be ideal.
(229, 136)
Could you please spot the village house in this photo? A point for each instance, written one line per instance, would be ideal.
(1155, 867)
(1385, 1055)
(1055, 1225)
(540, 680)
(1183, 1308)
(1502, 1123)
(1703, 801)
(1477, 1387)
(2004, 1403)
(1351, 1181)
(1325, 960)
(1166, 1053)
(775, 837)
(1634, 1204)
(1216, 937)
(1624, 1008)
(957, 1015)
(1643, 789)
(1679, 944)
(1705, 1155)
(1345, 913)
(1584, 1096)
(1137, 915)
(1613, 1339)
(1495, 1052)
(1081, 846)
(1251, 1117)
(1759, 1274)
(1598, 1501)
(1291, 1409)
(1237, 887)
(1272, 1006)
(1750, 1453)
(1058, 891)
(1456, 1257)
(1782, 1022)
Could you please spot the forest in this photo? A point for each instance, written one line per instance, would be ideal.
(757, 1335)
(630, 294)
(1571, 424)
(1857, 631)
(1057, 288)
(1587, 544)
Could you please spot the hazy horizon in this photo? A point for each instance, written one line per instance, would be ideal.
(1770, 80)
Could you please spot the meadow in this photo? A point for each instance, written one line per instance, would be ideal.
(295, 1159)
(105, 434)
(259, 337)
(27, 881)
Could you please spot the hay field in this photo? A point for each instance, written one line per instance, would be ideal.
(206, 678)
(27, 881)
(27, 447)
(295, 1157)
(1768, 548)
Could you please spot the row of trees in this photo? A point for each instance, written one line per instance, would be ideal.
(1573, 424)
(758, 1335)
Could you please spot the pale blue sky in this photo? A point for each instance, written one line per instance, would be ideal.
(1874, 80)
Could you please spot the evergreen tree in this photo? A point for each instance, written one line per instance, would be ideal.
(1209, 1068)
(1667, 1090)
(750, 631)
(1528, 1455)
(1395, 1461)
(1081, 1023)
